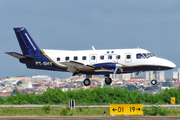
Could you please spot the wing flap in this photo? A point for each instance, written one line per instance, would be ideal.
(18, 55)
(72, 66)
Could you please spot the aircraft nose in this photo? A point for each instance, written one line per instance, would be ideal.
(171, 65)
(168, 64)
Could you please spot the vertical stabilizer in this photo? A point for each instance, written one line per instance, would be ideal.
(27, 44)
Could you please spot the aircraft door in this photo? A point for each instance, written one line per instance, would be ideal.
(128, 57)
(93, 58)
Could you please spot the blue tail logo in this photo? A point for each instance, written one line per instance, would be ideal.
(27, 44)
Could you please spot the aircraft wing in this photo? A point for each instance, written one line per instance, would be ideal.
(75, 66)
(18, 55)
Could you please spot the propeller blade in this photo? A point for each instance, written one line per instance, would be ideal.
(118, 66)
(115, 70)
(121, 69)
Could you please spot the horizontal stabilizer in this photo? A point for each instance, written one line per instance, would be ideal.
(18, 55)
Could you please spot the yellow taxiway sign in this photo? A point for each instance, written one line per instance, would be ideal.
(173, 100)
(126, 109)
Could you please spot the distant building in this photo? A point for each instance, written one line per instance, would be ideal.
(42, 77)
(158, 75)
(176, 74)
(116, 76)
(124, 76)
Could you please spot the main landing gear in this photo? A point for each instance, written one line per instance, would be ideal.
(108, 80)
(87, 81)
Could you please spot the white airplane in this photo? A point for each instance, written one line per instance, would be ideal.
(89, 62)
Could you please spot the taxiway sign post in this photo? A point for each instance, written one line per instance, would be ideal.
(72, 104)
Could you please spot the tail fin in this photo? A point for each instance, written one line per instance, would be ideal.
(27, 44)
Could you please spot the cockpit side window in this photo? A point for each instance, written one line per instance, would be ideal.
(151, 54)
(139, 56)
(144, 55)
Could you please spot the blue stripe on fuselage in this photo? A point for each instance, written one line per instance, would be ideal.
(41, 61)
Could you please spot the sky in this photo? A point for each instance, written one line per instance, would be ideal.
(153, 25)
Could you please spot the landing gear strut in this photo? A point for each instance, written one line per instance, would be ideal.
(154, 82)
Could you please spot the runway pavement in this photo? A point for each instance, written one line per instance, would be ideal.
(91, 118)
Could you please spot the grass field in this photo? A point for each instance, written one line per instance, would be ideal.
(65, 111)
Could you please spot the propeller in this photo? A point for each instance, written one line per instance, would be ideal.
(118, 66)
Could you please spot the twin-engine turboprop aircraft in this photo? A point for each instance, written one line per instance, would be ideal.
(89, 62)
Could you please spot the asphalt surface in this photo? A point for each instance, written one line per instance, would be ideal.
(91, 118)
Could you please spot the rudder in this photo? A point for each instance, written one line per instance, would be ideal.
(27, 44)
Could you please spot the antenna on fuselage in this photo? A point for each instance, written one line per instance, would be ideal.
(93, 48)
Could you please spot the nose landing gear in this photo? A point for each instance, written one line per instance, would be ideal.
(154, 82)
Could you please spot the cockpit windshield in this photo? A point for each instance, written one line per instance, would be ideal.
(144, 55)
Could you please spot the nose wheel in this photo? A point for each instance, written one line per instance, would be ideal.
(154, 82)
(87, 82)
(108, 81)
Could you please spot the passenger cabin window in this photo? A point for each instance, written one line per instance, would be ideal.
(102, 57)
(93, 57)
(67, 58)
(58, 59)
(75, 58)
(118, 56)
(84, 58)
(128, 56)
(110, 57)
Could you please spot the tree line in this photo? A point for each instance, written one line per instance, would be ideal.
(94, 96)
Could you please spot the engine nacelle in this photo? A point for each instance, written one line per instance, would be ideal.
(108, 66)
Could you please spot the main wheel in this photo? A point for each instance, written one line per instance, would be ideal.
(154, 82)
(108, 81)
(86, 82)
